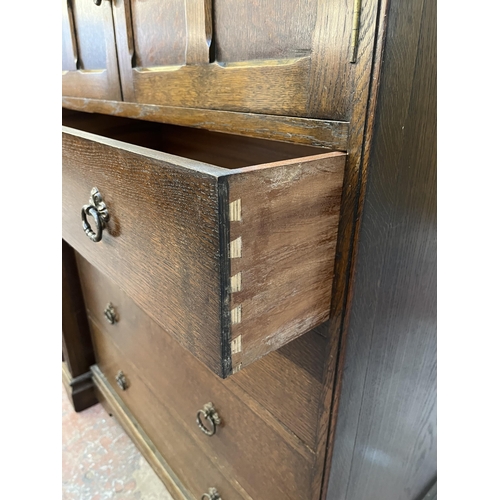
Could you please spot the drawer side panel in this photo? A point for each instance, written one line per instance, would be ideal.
(282, 237)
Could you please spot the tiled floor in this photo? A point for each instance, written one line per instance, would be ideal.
(100, 462)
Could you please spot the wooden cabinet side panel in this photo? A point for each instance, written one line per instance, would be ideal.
(385, 439)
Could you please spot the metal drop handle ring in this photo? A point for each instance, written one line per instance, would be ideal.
(98, 210)
(209, 414)
(211, 495)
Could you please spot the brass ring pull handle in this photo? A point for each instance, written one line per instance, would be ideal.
(98, 210)
(211, 495)
(209, 414)
(121, 380)
(110, 313)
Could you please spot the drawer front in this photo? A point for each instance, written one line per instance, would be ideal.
(195, 470)
(158, 245)
(265, 460)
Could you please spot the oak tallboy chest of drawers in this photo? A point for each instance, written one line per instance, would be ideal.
(214, 160)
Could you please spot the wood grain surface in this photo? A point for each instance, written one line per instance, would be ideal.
(77, 348)
(386, 431)
(158, 47)
(190, 465)
(288, 384)
(283, 293)
(171, 373)
(88, 39)
(199, 20)
(116, 408)
(321, 133)
(249, 31)
(156, 234)
(336, 90)
(363, 75)
(291, 59)
(287, 232)
(77, 345)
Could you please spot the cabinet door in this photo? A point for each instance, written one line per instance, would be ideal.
(288, 58)
(89, 63)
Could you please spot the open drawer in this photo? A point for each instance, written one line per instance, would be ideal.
(228, 242)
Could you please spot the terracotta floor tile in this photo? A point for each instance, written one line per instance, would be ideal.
(100, 462)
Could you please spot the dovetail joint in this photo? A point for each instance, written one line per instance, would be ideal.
(235, 248)
(235, 211)
(236, 283)
(236, 345)
(236, 315)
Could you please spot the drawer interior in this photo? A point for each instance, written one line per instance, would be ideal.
(223, 150)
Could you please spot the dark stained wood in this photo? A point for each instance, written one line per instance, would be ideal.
(293, 253)
(362, 81)
(152, 251)
(124, 38)
(187, 468)
(133, 323)
(277, 87)
(264, 381)
(385, 440)
(88, 40)
(77, 344)
(252, 77)
(199, 19)
(338, 89)
(360, 140)
(247, 30)
(271, 58)
(310, 132)
(154, 46)
(171, 373)
(288, 383)
(150, 255)
(80, 390)
(78, 351)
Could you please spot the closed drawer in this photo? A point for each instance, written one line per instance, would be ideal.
(194, 470)
(251, 449)
(233, 260)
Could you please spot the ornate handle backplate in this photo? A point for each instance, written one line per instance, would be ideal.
(211, 495)
(110, 313)
(121, 380)
(98, 210)
(209, 415)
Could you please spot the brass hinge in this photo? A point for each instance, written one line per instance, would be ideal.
(355, 31)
